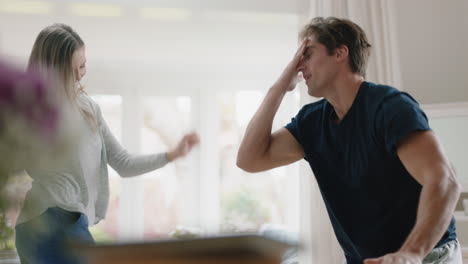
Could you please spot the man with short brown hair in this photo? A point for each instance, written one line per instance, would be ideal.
(389, 189)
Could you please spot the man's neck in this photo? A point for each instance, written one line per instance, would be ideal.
(343, 92)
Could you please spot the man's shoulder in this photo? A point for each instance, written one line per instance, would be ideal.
(381, 90)
(385, 103)
(381, 94)
(313, 108)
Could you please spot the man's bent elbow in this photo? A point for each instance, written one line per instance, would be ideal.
(247, 165)
(455, 187)
(244, 165)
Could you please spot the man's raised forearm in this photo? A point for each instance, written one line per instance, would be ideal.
(258, 133)
(257, 137)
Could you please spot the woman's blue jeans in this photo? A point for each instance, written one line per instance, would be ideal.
(46, 238)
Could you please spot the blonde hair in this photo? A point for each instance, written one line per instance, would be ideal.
(53, 49)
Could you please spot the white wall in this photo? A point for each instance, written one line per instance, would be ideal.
(433, 39)
(216, 49)
(130, 51)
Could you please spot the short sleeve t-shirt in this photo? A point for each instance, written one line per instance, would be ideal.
(370, 197)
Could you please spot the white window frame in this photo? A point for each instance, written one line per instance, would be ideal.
(204, 208)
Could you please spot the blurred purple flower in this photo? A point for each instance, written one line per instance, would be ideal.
(36, 129)
(27, 96)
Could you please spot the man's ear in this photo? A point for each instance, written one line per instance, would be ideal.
(341, 53)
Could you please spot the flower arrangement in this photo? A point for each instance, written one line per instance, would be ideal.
(35, 128)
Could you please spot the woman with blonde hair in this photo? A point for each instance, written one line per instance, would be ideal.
(67, 198)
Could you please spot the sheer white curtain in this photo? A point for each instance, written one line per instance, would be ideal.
(377, 18)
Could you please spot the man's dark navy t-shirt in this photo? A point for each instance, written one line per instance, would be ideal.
(370, 197)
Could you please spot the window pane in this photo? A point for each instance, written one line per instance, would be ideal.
(107, 229)
(250, 200)
(165, 121)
